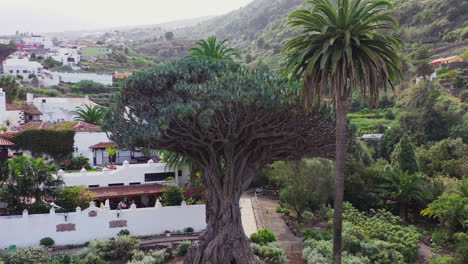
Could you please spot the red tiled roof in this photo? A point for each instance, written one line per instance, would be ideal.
(4, 142)
(127, 191)
(85, 127)
(27, 108)
(32, 125)
(103, 145)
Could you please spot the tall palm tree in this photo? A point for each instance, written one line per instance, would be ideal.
(343, 46)
(91, 114)
(404, 188)
(5, 51)
(212, 48)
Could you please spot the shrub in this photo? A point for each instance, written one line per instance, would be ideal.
(73, 196)
(188, 230)
(153, 257)
(47, 241)
(118, 248)
(182, 248)
(173, 195)
(442, 260)
(310, 233)
(123, 232)
(76, 163)
(263, 236)
(25, 255)
(57, 144)
(270, 252)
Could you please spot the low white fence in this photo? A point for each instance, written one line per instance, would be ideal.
(97, 223)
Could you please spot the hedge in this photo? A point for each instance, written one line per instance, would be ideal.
(57, 144)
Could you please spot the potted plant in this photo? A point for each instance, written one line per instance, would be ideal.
(112, 156)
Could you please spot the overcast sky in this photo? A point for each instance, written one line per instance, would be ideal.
(62, 15)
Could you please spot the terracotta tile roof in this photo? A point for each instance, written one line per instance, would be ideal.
(27, 108)
(103, 145)
(4, 142)
(78, 126)
(32, 125)
(127, 191)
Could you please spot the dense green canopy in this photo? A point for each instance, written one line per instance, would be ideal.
(195, 89)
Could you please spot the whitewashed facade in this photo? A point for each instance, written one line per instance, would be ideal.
(126, 175)
(75, 77)
(97, 223)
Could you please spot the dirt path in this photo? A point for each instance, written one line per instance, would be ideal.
(424, 254)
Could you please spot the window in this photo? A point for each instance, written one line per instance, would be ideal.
(25, 71)
(179, 173)
(150, 177)
(115, 184)
(93, 186)
(43, 100)
(135, 183)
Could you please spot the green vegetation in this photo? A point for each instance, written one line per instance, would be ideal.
(214, 49)
(173, 195)
(71, 197)
(91, 114)
(263, 237)
(47, 241)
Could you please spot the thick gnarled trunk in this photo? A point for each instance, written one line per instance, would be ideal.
(224, 240)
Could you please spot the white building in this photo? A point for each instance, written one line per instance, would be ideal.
(21, 67)
(67, 56)
(41, 41)
(127, 175)
(57, 109)
(75, 77)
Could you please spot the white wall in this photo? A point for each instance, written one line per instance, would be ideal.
(23, 67)
(123, 174)
(68, 77)
(28, 230)
(56, 109)
(3, 112)
(84, 140)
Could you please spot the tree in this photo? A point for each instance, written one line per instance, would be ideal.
(91, 114)
(28, 178)
(308, 184)
(69, 198)
(169, 36)
(112, 152)
(10, 86)
(212, 48)
(344, 46)
(173, 195)
(90, 87)
(230, 121)
(5, 51)
(404, 156)
(404, 188)
(424, 69)
(50, 63)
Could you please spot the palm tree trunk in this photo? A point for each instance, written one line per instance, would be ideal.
(403, 210)
(340, 157)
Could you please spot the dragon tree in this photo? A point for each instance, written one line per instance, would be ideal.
(230, 121)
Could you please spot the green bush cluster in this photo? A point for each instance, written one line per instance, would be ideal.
(182, 248)
(25, 255)
(150, 257)
(382, 229)
(263, 237)
(270, 252)
(47, 241)
(123, 232)
(310, 233)
(119, 248)
(282, 210)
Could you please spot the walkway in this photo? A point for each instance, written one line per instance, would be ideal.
(248, 216)
(291, 244)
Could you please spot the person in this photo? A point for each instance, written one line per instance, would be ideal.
(121, 205)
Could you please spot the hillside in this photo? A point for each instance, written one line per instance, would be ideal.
(259, 29)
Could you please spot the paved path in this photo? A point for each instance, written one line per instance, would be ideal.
(273, 221)
(424, 254)
(248, 216)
